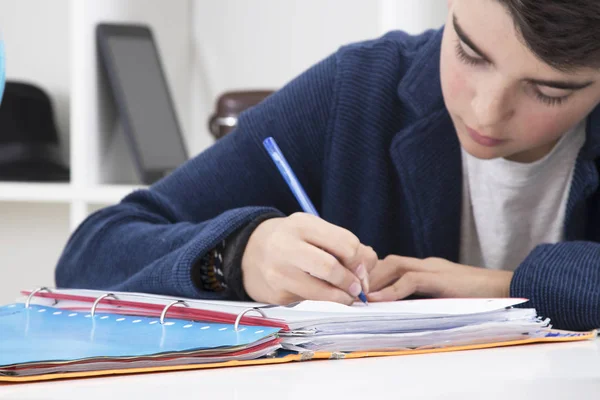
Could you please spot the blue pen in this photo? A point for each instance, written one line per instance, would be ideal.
(290, 178)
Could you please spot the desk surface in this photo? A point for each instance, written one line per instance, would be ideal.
(544, 371)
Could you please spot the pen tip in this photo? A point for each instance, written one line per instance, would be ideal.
(363, 298)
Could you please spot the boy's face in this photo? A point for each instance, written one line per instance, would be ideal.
(504, 102)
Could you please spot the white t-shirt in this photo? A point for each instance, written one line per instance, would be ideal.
(508, 208)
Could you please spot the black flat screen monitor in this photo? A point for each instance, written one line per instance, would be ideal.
(131, 60)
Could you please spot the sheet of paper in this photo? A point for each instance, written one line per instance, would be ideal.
(416, 307)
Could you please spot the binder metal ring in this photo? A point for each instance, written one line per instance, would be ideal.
(164, 311)
(98, 300)
(240, 315)
(40, 289)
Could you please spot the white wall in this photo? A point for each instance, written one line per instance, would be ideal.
(265, 43)
(413, 16)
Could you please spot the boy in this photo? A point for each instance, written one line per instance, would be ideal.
(457, 163)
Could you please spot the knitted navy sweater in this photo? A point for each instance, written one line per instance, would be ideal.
(369, 137)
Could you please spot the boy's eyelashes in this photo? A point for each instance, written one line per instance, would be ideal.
(550, 100)
(462, 52)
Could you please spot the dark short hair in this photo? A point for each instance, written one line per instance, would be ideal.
(564, 34)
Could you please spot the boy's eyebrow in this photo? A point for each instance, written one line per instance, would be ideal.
(567, 85)
(466, 40)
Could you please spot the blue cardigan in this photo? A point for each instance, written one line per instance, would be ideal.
(369, 137)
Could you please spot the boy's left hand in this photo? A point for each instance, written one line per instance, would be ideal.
(398, 277)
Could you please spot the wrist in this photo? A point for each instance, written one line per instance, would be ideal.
(234, 254)
(257, 235)
(505, 290)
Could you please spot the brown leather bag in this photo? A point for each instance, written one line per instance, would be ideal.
(229, 106)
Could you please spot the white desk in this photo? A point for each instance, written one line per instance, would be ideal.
(548, 371)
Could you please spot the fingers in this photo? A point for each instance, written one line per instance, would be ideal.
(326, 267)
(410, 283)
(382, 276)
(339, 242)
(391, 268)
(368, 261)
(311, 288)
(402, 264)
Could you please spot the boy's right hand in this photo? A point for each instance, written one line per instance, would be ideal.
(303, 257)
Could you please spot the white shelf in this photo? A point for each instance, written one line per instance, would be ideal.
(106, 194)
(27, 192)
(36, 192)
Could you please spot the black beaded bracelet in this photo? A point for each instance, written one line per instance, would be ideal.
(209, 274)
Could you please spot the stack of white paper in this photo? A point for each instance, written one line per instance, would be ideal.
(321, 326)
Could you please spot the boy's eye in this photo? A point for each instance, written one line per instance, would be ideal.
(467, 55)
(551, 97)
(553, 92)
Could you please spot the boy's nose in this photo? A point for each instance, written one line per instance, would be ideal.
(492, 106)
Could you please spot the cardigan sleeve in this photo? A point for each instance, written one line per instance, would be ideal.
(153, 239)
(562, 281)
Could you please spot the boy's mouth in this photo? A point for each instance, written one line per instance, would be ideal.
(483, 140)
